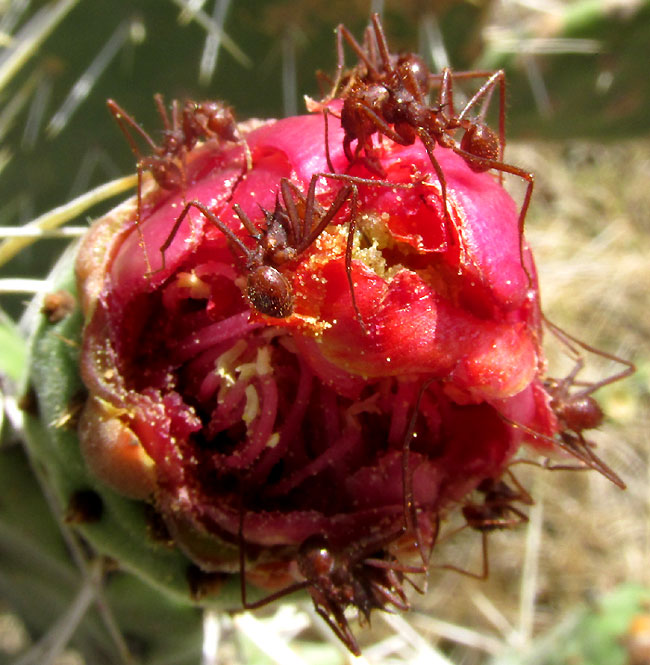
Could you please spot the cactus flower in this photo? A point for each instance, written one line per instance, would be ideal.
(243, 429)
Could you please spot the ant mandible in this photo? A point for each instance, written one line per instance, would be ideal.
(186, 127)
(388, 95)
(362, 575)
(494, 512)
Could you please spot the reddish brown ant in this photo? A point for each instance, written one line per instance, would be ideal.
(188, 125)
(387, 94)
(576, 410)
(362, 575)
(494, 512)
(290, 229)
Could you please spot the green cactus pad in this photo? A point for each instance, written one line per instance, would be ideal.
(124, 531)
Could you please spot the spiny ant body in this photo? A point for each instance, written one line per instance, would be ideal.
(496, 511)
(363, 575)
(295, 223)
(189, 124)
(576, 409)
(388, 94)
(289, 230)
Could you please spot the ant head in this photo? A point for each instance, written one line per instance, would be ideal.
(481, 142)
(269, 292)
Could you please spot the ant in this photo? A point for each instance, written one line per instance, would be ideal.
(577, 411)
(186, 127)
(388, 95)
(289, 230)
(362, 575)
(494, 512)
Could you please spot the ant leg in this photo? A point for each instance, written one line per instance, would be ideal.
(313, 233)
(446, 94)
(567, 339)
(429, 145)
(138, 221)
(338, 202)
(410, 508)
(213, 219)
(292, 588)
(295, 219)
(486, 91)
(335, 619)
(343, 33)
(395, 566)
(336, 205)
(340, 63)
(382, 44)
(523, 496)
(253, 231)
(579, 447)
(328, 157)
(581, 452)
(550, 466)
(124, 121)
(162, 112)
(353, 180)
(352, 227)
(483, 575)
(397, 598)
(487, 164)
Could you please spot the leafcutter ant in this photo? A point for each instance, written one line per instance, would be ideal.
(577, 410)
(494, 512)
(388, 95)
(188, 124)
(289, 230)
(295, 223)
(363, 575)
(410, 508)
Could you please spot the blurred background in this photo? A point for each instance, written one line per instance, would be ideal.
(569, 587)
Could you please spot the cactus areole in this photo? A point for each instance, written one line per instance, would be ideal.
(400, 368)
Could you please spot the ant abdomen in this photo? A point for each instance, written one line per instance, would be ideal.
(579, 413)
(166, 173)
(214, 117)
(315, 560)
(481, 142)
(269, 292)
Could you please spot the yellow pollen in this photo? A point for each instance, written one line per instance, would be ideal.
(252, 405)
(273, 441)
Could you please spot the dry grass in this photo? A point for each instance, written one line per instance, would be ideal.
(589, 229)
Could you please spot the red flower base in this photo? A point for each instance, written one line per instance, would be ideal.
(398, 390)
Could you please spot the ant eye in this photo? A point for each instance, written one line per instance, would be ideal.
(269, 292)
